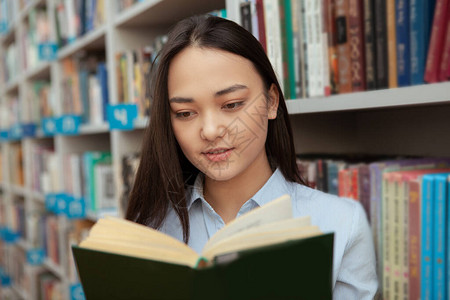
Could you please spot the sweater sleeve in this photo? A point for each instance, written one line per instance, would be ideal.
(357, 278)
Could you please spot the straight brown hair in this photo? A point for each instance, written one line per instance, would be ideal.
(164, 173)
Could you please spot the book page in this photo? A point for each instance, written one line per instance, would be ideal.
(141, 251)
(278, 209)
(261, 239)
(287, 224)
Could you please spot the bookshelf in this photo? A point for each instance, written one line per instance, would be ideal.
(362, 122)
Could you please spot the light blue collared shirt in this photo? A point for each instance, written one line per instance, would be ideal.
(354, 270)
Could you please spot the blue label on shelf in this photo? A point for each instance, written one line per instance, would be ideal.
(48, 126)
(9, 236)
(29, 130)
(4, 278)
(61, 204)
(51, 201)
(3, 135)
(48, 51)
(3, 26)
(122, 116)
(36, 256)
(68, 124)
(76, 292)
(15, 132)
(76, 208)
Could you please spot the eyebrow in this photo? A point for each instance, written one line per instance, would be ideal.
(230, 89)
(227, 90)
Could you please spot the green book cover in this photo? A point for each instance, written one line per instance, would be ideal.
(296, 269)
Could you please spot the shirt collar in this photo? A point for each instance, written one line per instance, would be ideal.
(275, 187)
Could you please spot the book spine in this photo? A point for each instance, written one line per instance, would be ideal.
(396, 238)
(284, 49)
(246, 18)
(297, 44)
(420, 22)
(387, 236)
(392, 42)
(448, 236)
(414, 239)
(290, 49)
(445, 62)
(436, 41)
(306, 54)
(369, 44)
(355, 35)
(261, 25)
(426, 277)
(439, 218)
(343, 47)
(329, 6)
(311, 48)
(273, 37)
(403, 50)
(325, 66)
(375, 217)
(381, 44)
(404, 241)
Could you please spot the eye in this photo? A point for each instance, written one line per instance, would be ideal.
(184, 115)
(233, 106)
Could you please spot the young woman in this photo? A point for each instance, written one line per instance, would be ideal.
(219, 144)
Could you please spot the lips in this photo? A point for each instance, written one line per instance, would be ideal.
(218, 154)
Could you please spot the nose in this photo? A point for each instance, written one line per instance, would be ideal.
(212, 127)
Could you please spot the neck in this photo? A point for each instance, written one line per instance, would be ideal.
(227, 197)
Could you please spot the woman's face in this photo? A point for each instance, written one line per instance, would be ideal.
(219, 111)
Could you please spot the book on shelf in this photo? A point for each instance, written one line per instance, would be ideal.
(264, 253)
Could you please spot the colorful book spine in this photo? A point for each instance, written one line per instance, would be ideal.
(420, 23)
(403, 49)
(261, 26)
(381, 44)
(387, 234)
(440, 234)
(448, 236)
(436, 41)
(289, 50)
(427, 238)
(369, 44)
(273, 37)
(445, 62)
(343, 47)
(414, 239)
(356, 37)
(297, 44)
(392, 42)
(330, 25)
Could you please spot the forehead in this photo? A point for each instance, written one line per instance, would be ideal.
(197, 68)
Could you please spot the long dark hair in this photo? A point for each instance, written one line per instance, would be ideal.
(164, 172)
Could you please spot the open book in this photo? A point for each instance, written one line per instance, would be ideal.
(250, 247)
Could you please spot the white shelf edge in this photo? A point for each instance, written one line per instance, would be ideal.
(94, 128)
(388, 98)
(12, 85)
(26, 10)
(82, 42)
(38, 196)
(19, 291)
(38, 69)
(141, 123)
(18, 190)
(133, 11)
(54, 268)
(23, 244)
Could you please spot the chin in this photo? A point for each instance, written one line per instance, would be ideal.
(220, 172)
